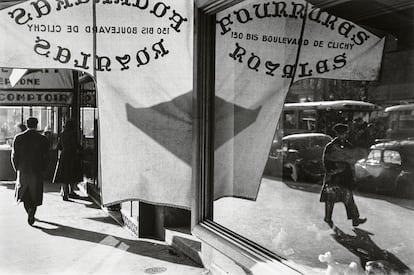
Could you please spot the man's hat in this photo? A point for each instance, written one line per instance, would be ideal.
(340, 128)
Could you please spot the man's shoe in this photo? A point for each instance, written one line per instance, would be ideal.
(358, 221)
(30, 217)
(65, 198)
(329, 222)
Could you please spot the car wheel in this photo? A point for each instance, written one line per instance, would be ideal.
(402, 189)
(399, 190)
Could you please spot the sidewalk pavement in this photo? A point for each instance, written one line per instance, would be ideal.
(77, 237)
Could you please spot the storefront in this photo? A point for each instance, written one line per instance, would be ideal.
(276, 227)
(179, 111)
(45, 94)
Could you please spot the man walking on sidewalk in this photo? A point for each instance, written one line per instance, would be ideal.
(338, 158)
(29, 158)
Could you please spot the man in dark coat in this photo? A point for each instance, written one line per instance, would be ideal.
(339, 158)
(30, 158)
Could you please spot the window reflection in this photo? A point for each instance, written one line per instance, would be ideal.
(281, 211)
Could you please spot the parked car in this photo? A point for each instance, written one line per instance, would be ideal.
(298, 157)
(389, 167)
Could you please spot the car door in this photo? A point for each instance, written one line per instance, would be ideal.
(391, 168)
(373, 165)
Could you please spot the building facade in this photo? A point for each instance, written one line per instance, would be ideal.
(189, 138)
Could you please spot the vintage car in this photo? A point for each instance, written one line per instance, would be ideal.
(389, 168)
(298, 157)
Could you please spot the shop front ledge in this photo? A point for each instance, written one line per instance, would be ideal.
(184, 243)
(249, 259)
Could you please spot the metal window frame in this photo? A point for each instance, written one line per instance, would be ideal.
(203, 142)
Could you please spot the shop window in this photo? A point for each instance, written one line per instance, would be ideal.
(89, 118)
(11, 117)
(281, 214)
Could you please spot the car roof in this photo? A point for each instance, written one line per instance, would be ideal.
(305, 135)
(395, 144)
(334, 105)
(404, 147)
(396, 108)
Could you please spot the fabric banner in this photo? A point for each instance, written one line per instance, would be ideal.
(36, 80)
(144, 86)
(143, 68)
(261, 49)
(47, 34)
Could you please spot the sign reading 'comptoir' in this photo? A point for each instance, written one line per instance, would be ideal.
(35, 98)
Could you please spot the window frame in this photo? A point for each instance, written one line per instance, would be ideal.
(240, 249)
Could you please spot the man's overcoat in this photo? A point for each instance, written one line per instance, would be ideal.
(30, 158)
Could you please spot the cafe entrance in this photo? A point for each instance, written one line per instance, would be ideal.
(53, 97)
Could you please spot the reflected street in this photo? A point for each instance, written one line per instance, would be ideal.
(288, 219)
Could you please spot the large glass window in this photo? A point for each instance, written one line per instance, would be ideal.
(267, 180)
(12, 117)
(89, 119)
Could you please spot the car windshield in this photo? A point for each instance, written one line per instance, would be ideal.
(308, 143)
(374, 156)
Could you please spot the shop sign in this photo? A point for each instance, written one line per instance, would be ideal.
(52, 26)
(38, 98)
(38, 79)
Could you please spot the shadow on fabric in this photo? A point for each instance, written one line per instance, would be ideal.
(170, 123)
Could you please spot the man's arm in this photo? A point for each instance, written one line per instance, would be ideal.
(15, 154)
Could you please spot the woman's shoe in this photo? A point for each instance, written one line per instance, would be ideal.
(65, 198)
